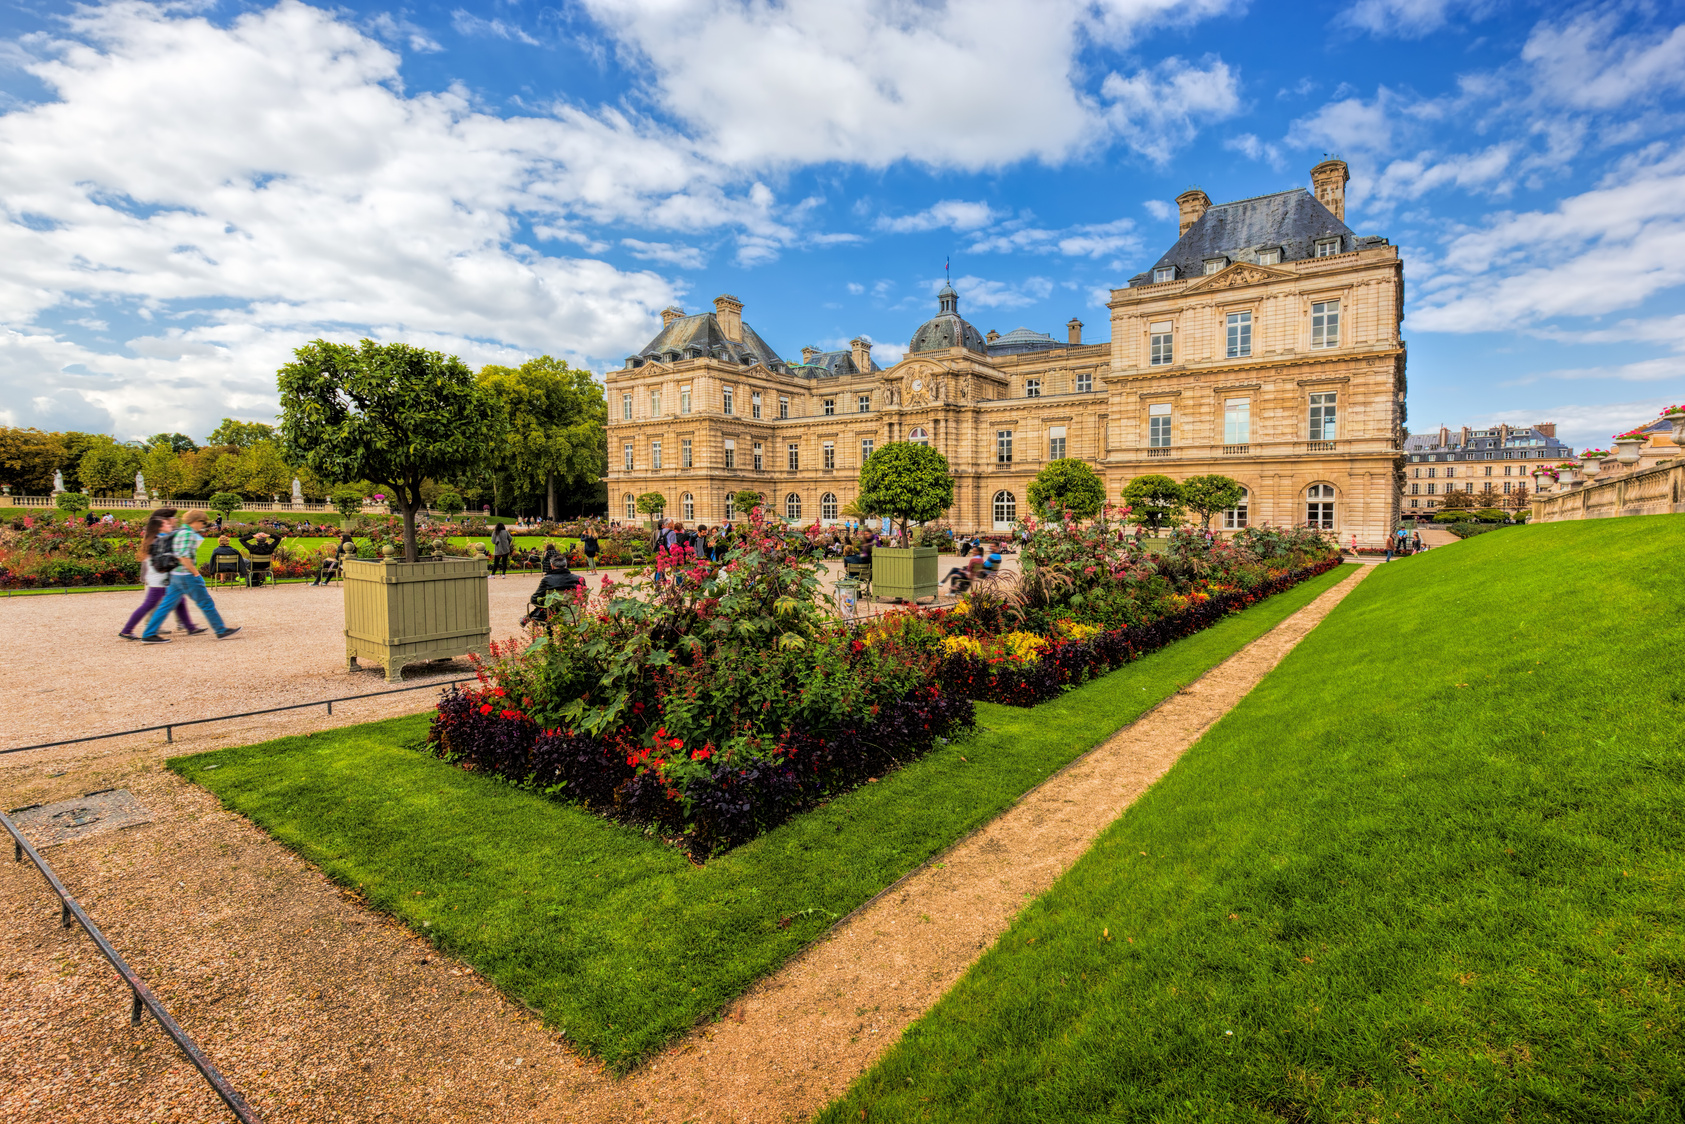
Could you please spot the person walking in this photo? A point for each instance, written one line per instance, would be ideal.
(162, 522)
(502, 546)
(589, 544)
(186, 582)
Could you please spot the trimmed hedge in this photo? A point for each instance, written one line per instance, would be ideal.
(1067, 663)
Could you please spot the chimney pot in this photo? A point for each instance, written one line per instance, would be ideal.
(992, 336)
(809, 354)
(1328, 184)
(862, 353)
(1192, 204)
(1073, 328)
(671, 313)
(1546, 428)
(728, 310)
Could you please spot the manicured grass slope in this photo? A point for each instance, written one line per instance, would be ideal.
(617, 938)
(1431, 869)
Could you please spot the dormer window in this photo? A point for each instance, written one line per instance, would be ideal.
(1327, 247)
(1214, 265)
(1270, 257)
(1164, 273)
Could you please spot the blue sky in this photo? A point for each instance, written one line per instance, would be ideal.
(191, 191)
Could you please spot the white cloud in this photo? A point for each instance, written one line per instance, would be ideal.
(1160, 210)
(1248, 145)
(1586, 426)
(977, 292)
(1585, 64)
(1157, 111)
(955, 214)
(855, 288)
(471, 25)
(1091, 240)
(1408, 19)
(676, 254)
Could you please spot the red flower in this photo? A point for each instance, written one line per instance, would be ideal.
(485, 708)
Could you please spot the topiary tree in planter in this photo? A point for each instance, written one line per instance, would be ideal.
(225, 504)
(449, 503)
(1068, 484)
(1154, 501)
(907, 482)
(652, 504)
(348, 502)
(389, 413)
(1205, 496)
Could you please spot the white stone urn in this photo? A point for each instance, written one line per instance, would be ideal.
(1565, 475)
(1677, 418)
(1628, 450)
(1590, 465)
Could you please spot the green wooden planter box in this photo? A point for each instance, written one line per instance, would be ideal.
(907, 572)
(399, 613)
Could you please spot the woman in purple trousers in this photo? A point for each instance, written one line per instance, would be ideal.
(161, 523)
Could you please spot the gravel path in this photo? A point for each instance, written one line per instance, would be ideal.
(321, 1010)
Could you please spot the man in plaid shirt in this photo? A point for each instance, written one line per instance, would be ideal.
(186, 582)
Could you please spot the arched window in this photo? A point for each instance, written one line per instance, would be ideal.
(1319, 506)
(792, 506)
(919, 436)
(828, 507)
(1235, 517)
(1006, 510)
(687, 504)
(631, 506)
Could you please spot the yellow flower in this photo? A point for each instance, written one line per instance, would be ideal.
(962, 645)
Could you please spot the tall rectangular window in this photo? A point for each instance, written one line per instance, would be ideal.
(1237, 421)
(655, 403)
(1415, 489)
(1160, 349)
(830, 448)
(726, 405)
(759, 463)
(628, 452)
(830, 406)
(863, 404)
(795, 456)
(1322, 417)
(655, 456)
(684, 399)
(1003, 446)
(684, 453)
(865, 449)
(1055, 442)
(626, 407)
(1325, 324)
(1240, 334)
(755, 404)
(1032, 388)
(730, 452)
(1158, 425)
(783, 406)
(1085, 382)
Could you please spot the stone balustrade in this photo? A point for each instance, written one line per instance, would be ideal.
(1657, 490)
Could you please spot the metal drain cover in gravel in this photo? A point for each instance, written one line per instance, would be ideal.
(48, 825)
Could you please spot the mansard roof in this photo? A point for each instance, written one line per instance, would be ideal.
(700, 336)
(1292, 222)
(828, 364)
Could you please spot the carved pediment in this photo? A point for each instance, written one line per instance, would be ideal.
(1240, 273)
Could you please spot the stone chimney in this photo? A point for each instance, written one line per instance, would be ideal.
(1444, 438)
(1073, 331)
(809, 354)
(1465, 437)
(1328, 184)
(1193, 203)
(992, 336)
(671, 313)
(862, 352)
(1546, 428)
(728, 311)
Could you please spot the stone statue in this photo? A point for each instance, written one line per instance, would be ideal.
(140, 486)
(58, 481)
(298, 493)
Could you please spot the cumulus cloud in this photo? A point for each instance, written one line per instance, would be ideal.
(1585, 426)
(1160, 210)
(1408, 19)
(955, 214)
(1158, 110)
(1248, 145)
(979, 292)
(1090, 240)
(668, 253)
(1587, 64)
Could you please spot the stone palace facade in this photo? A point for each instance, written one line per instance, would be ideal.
(1264, 345)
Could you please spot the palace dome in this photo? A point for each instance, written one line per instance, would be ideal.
(946, 329)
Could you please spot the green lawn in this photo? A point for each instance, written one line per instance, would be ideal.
(617, 938)
(1431, 869)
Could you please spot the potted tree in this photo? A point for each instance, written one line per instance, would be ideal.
(1068, 485)
(396, 415)
(910, 484)
(1155, 501)
(652, 504)
(1205, 496)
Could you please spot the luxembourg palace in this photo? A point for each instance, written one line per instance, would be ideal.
(1264, 345)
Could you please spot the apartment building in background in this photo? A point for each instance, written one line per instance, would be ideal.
(1495, 465)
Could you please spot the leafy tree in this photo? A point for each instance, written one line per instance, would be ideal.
(76, 446)
(1154, 501)
(163, 471)
(28, 459)
(391, 413)
(1068, 484)
(746, 501)
(1205, 496)
(652, 503)
(348, 502)
(907, 482)
(555, 419)
(174, 442)
(241, 435)
(108, 467)
(267, 474)
(1458, 501)
(71, 502)
(226, 504)
(449, 503)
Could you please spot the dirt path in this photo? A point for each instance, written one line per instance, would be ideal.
(320, 1010)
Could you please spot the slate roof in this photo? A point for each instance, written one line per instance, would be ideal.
(1020, 340)
(946, 329)
(829, 364)
(690, 337)
(1485, 442)
(1292, 221)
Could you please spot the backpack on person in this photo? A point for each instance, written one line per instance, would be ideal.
(160, 556)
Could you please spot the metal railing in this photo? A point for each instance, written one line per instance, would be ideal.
(71, 910)
(169, 727)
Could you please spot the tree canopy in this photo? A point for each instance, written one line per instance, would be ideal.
(239, 434)
(651, 503)
(907, 482)
(1205, 496)
(108, 468)
(389, 413)
(1068, 484)
(554, 426)
(746, 501)
(174, 442)
(1154, 501)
